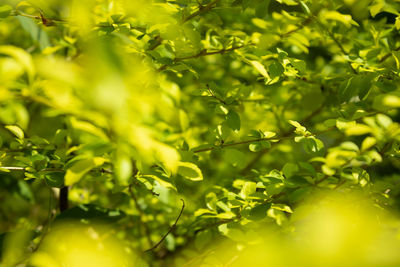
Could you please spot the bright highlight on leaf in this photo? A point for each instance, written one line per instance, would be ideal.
(75, 173)
(190, 171)
(17, 131)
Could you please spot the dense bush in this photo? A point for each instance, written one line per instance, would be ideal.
(199, 133)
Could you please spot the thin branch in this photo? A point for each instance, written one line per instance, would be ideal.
(285, 135)
(13, 168)
(256, 100)
(344, 52)
(203, 52)
(158, 41)
(46, 21)
(19, 13)
(214, 96)
(170, 229)
(239, 143)
(141, 215)
(386, 148)
(262, 153)
(17, 168)
(301, 26)
(275, 138)
(383, 59)
(201, 10)
(321, 180)
(340, 184)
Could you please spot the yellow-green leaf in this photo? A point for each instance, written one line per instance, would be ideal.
(159, 180)
(343, 18)
(190, 171)
(358, 129)
(5, 11)
(87, 127)
(375, 9)
(16, 131)
(282, 207)
(248, 189)
(21, 56)
(368, 143)
(260, 68)
(75, 173)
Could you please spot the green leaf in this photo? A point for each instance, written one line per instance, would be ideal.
(80, 168)
(260, 23)
(343, 18)
(260, 68)
(347, 90)
(300, 130)
(276, 69)
(5, 11)
(282, 207)
(161, 181)
(21, 56)
(17, 131)
(55, 179)
(358, 129)
(289, 169)
(363, 83)
(289, 2)
(312, 145)
(233, 120)
(25, 191)
(367, 143)
(259, 212)
(248, 189)
(36, 32)
(190, 171)
(300, 65)
(257, 146)
(375, 9)
(87, 127)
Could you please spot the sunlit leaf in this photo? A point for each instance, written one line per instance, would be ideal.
(75, 173)
(190, 171)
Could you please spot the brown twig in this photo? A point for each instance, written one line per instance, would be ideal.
(170, 229)
(285, 135)
(17, 168)
(339, 45)
(321, 180)
(214, 96)
(201, 10)
(239, 143)
(383, 59)
(158, 41)
(301, 26)
(340, 184)
(203, 52)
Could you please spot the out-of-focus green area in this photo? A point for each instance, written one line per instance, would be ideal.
(199, 133)
(327, 230)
